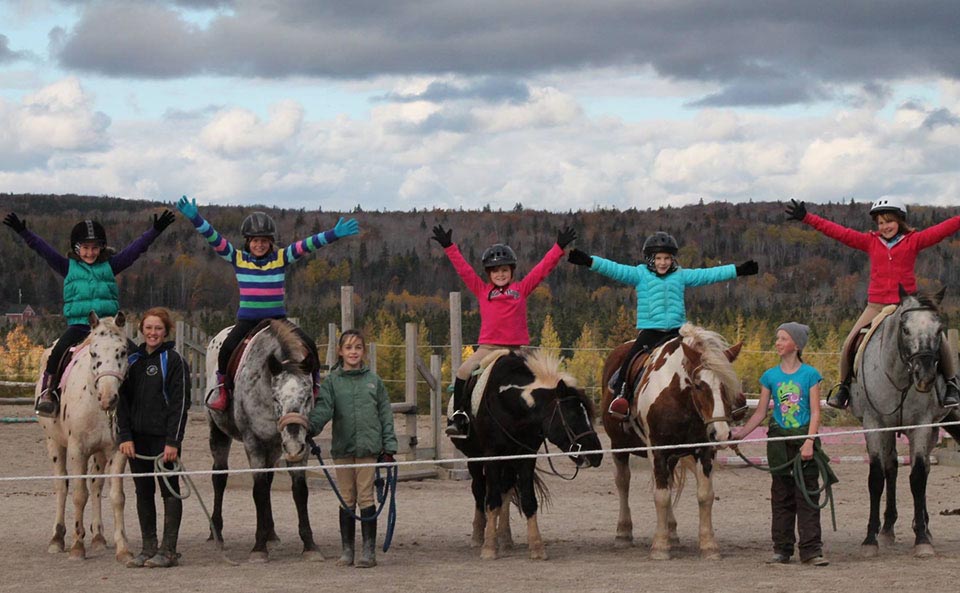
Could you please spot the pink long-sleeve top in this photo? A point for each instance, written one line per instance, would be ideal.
(503, 311)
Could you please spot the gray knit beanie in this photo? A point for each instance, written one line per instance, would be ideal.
(798, 331)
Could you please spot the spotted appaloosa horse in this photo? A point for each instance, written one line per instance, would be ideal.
(685, 395)
(273, 394)
(82, 435)
(525, 401)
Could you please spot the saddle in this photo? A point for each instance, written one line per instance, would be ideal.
(636, 367)
(239, 353)
(860, 341)
(476, 384)
(65, 366)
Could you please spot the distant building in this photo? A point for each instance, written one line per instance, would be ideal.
(25, 316)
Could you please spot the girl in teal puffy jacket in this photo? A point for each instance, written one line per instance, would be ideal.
(660, 285)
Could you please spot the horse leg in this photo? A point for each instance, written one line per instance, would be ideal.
(890, 470)
(869, 546)
(921, 442)
(300, 495)
(621, 477)
(709, 550)
(220, 451)
(660, 548)
(528, 504)
(272, 536)
(117, 501)
(478, 487)
(97, 542)
(494, 500)
(504, 533)
(77, 463)
(58, 457)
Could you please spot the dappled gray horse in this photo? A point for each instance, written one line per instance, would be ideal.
(896, 384)
(273, 393)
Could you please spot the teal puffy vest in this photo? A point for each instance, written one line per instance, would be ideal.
(89, 288)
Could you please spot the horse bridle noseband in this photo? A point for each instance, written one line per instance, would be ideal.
(292, 418)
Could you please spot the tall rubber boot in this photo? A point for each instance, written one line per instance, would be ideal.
(839, 398)
(147, 515)
(167, 556)
(950, 398)
(222, 397)
(368, 529)
(49, 401)
(459, 423)
(348, 537)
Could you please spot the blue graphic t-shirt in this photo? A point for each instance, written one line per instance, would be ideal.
(791, 394)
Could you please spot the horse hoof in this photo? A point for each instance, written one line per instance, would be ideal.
(311, 556)
(623, 541)
(476, 543)
(505, 543)
(124, 557)
(923, 551)
(258, 558)
(488, 554)
(56, 546)
(869, 551)
(540, 554)
(659, 555)
(78, 553)
(98, 543)
(887, 538)
(710, 555)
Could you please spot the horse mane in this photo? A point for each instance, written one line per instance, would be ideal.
(545, 367)
(712, 347)
(291, 345)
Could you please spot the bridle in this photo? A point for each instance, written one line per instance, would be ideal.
(911, 360)
(292, 418)
(714, 419)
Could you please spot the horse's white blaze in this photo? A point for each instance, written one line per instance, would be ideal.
(721, 427)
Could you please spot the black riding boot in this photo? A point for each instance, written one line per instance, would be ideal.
(168, 556)
(49, 401)
(348, 536)
(368, 555)
(147, 515)
(950, 398)
(459, 423)
(840, 396)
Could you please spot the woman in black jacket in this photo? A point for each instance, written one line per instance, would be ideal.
(151, 417)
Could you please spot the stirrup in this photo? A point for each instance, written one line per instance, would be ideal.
(48, 404)
(619, 408)
(951, 402)
(459, 426)
(838, 397)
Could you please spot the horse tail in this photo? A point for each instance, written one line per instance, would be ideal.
(541, 490)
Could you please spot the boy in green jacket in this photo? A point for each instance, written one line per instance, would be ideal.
(356, 400)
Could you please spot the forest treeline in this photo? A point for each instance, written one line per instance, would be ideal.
(399, 275)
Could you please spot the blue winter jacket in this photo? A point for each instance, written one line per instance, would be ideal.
(660, 299)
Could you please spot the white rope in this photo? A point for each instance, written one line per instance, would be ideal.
(263, 470)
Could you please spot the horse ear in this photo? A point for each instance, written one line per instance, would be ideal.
(120, 319)
(939, 296)
(93, 320)
(733, 351)
(275, 366)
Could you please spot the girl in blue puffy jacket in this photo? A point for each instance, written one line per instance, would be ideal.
(660, 285)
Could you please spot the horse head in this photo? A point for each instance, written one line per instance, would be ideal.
(918, 337)
(711, 381)
(292, 386)
(108, 357)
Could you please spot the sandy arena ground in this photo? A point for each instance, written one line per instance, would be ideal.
(431, 549)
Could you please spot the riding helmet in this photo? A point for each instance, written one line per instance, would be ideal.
(499, 255)
(259, 224)
(890, 204)
(87, 230)
(659, 242)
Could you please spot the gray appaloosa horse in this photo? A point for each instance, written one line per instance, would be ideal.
(273, 393)
(81, 436)
(896, 384)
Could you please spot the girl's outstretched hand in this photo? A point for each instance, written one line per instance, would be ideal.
(566, 236)
(188, 207)
(162, 221)
(442, 236)
(579, 258)
(747, 268)
(346, 228)
(796, 210)
(13, 221)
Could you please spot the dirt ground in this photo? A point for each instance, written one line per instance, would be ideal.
(431, 549)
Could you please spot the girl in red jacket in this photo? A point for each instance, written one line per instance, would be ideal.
(893, 250)
(503, 306)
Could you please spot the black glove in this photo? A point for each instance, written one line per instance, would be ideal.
(163, 220)
(579, 258)
(566, 236)
(13, 221)
(443, 237)
(796, 210)
(386, 458)
(747, 268)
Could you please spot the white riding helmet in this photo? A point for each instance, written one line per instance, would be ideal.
(891, 204)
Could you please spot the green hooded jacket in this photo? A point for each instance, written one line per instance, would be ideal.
(358, 404)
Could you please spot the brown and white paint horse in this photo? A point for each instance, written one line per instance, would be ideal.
(686, 395)
(83, 431)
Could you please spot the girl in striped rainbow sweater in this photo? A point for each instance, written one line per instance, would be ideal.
(261, 272)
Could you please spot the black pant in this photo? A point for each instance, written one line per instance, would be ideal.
(240, 330)
(146, 487)
(789, 508)
(73, 336)
(646, 340)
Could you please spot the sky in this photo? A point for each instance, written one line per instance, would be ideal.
(553, 104)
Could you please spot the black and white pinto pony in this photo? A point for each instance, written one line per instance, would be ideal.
(896, 384)
(273, 393)
(83, 435)
(522, 401)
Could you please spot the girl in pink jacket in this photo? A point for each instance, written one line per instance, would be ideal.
(503, 306)
(893, 250)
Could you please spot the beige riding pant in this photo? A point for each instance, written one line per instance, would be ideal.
(473, 361)
(948, 356)
(356, 483)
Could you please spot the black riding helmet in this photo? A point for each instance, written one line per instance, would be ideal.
(259, 224)
(660, 242)
(87, 230)
(499, 255)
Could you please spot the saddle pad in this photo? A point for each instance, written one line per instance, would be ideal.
(73, 361)
(874, 325)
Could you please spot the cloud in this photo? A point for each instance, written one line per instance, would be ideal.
(236, 131)
(824, 44)
(484, 89)
(7, 55)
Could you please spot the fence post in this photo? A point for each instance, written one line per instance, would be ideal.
(436, 402)
(346, 308)
(372, 357)
(331, 345)
(410, 384)
(456, 336)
